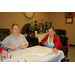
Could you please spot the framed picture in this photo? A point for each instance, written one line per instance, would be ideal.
(69, 14)
(69, 20)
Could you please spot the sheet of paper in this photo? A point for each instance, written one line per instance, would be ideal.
(42, 54)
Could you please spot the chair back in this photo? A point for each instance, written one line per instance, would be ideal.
(3, 33)
(64, 40)
(31, 38)
(31, 34)
(62, 32)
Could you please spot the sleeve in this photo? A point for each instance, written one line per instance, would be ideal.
(57, 42)
(6, 41)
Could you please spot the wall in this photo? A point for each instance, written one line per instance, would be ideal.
(8, 18)
(57, 19)
(58, 22)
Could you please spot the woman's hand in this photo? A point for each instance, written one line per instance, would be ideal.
(45, 43)
(11, 47)
(20, 46)
(55, 50)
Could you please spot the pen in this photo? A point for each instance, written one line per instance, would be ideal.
(25, 60)
(45, 40)
(10, 56)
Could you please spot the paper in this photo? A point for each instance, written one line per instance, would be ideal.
(42, 54)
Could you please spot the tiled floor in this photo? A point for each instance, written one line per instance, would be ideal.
(71, 54)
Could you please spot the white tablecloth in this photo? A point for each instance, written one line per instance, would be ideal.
(34, 54)
(39, 36)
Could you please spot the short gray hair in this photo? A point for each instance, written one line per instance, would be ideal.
(14, 25)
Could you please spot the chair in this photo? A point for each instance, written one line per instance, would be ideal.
(3, 33)
(57, 31)
(64, 41)
(31, 38)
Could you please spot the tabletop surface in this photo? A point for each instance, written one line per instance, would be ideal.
(41, 34)
(34, 54)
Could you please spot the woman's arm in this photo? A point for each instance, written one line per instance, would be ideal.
(57, 42)
(11, 47)
(25, 46)
(21, 46)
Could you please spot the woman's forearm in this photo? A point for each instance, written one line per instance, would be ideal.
(25, 46)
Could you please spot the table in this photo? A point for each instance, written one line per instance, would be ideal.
(39, 36)
(34, 54)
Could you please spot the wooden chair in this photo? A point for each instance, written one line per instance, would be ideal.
(4, 32)
(31, 38)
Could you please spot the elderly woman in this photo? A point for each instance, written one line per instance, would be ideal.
(15, 41)
(52, 40)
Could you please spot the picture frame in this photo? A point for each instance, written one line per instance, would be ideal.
(69, 14)
(69, 20)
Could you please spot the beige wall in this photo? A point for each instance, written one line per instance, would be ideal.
(57, 19)
(58, 22)
(8, 18)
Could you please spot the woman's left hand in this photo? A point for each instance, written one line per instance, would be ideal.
(20, 46)
(55, 50)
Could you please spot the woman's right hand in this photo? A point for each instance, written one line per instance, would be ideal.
(11, 47)
(45, 43)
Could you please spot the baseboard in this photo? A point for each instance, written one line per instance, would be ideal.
(72, 45)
